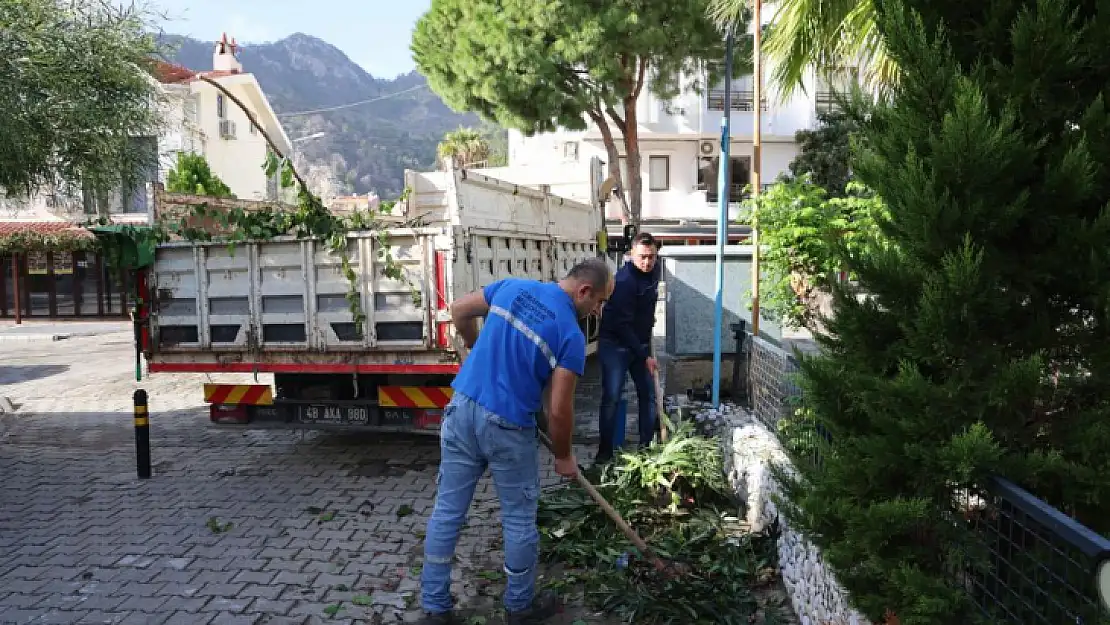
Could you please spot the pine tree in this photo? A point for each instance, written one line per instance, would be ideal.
(977, 343)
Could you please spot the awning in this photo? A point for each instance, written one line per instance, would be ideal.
(42, 235)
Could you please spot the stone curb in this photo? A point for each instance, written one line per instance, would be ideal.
(28, 338)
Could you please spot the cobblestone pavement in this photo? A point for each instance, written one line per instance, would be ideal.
(235, 527)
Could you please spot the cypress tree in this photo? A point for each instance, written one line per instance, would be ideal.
(978, 339)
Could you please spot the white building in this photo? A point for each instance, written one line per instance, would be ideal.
(198, 118)
(679, 148)
(203, 120)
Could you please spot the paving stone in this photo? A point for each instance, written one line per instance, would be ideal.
(226, 618)
(189, 618)
(83, 540)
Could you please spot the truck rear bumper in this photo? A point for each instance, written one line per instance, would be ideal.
(344, 415)
(278, 367)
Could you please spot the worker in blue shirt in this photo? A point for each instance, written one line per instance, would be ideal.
(624, 343)
(527, 358)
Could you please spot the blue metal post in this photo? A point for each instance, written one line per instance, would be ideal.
(722, 221)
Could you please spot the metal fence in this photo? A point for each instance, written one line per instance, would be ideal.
(1042, 567)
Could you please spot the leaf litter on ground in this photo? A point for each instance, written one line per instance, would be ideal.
(676, 495)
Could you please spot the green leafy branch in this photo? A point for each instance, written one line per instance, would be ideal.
(310, 219)
(806, 239)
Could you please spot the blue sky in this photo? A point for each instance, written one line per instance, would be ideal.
(374, 33)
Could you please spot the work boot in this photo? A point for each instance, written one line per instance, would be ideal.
(441, 618)
(602, 459)
(545, 605)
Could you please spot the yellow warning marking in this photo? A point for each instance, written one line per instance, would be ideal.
(245, 394)
(414, 396)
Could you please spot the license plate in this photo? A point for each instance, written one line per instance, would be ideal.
(334, 415)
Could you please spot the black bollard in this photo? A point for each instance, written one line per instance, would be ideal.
(142, 435)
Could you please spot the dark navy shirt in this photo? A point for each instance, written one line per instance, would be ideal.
(629, 316)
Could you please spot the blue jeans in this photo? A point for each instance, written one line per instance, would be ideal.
(616, 363)
(472, 439)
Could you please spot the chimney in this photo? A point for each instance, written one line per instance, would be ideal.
(225, 57)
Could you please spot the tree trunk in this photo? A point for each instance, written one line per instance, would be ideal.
(614, 162)
(632, 151)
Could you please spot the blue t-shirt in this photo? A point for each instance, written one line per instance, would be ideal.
(532, 328)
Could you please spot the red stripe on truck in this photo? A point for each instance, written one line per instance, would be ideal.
(441, 298)
(248, 367)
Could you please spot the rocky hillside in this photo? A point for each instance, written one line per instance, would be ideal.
(368, 146)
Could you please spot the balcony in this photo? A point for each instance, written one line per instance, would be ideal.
(741, 101)
(781, 120)
(825, 102)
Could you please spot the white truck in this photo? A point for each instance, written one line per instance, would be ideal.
(280, 306)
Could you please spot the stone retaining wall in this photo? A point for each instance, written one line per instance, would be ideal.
(752, 447)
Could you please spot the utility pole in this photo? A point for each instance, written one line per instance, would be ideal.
(722, 220)
(757, 155)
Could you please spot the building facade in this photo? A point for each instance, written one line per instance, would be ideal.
(69, 278)
(680, 147)
(203, 120)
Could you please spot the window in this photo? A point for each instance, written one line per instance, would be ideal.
(739, 173)
(659, 173)
(570, 150)
(221, 110)
(191, 112)
(136, 197)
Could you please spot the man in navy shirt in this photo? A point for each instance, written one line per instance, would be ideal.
(527, 357)
(624, 343)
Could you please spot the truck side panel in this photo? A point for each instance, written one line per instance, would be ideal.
(291, 296)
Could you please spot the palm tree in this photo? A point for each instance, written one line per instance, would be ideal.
(465, 147)
(826, 35)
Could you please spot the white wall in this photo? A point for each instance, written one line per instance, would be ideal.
(237, 161)
(677, 129)
(539, 160)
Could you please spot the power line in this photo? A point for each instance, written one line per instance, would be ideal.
(353, 104)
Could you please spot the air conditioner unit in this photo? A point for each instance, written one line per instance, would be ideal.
(708, 147)
(227, 129)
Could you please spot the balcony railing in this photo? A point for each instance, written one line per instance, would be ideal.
(736, 192)
(742, 101)
(825, 102)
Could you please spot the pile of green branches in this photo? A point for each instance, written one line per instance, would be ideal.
(676, 495)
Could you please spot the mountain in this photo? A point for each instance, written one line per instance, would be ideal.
(369, 146)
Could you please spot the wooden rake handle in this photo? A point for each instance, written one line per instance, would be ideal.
(660, 408)
(609, 510)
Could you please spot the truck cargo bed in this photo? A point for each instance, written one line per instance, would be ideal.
(281, 305)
